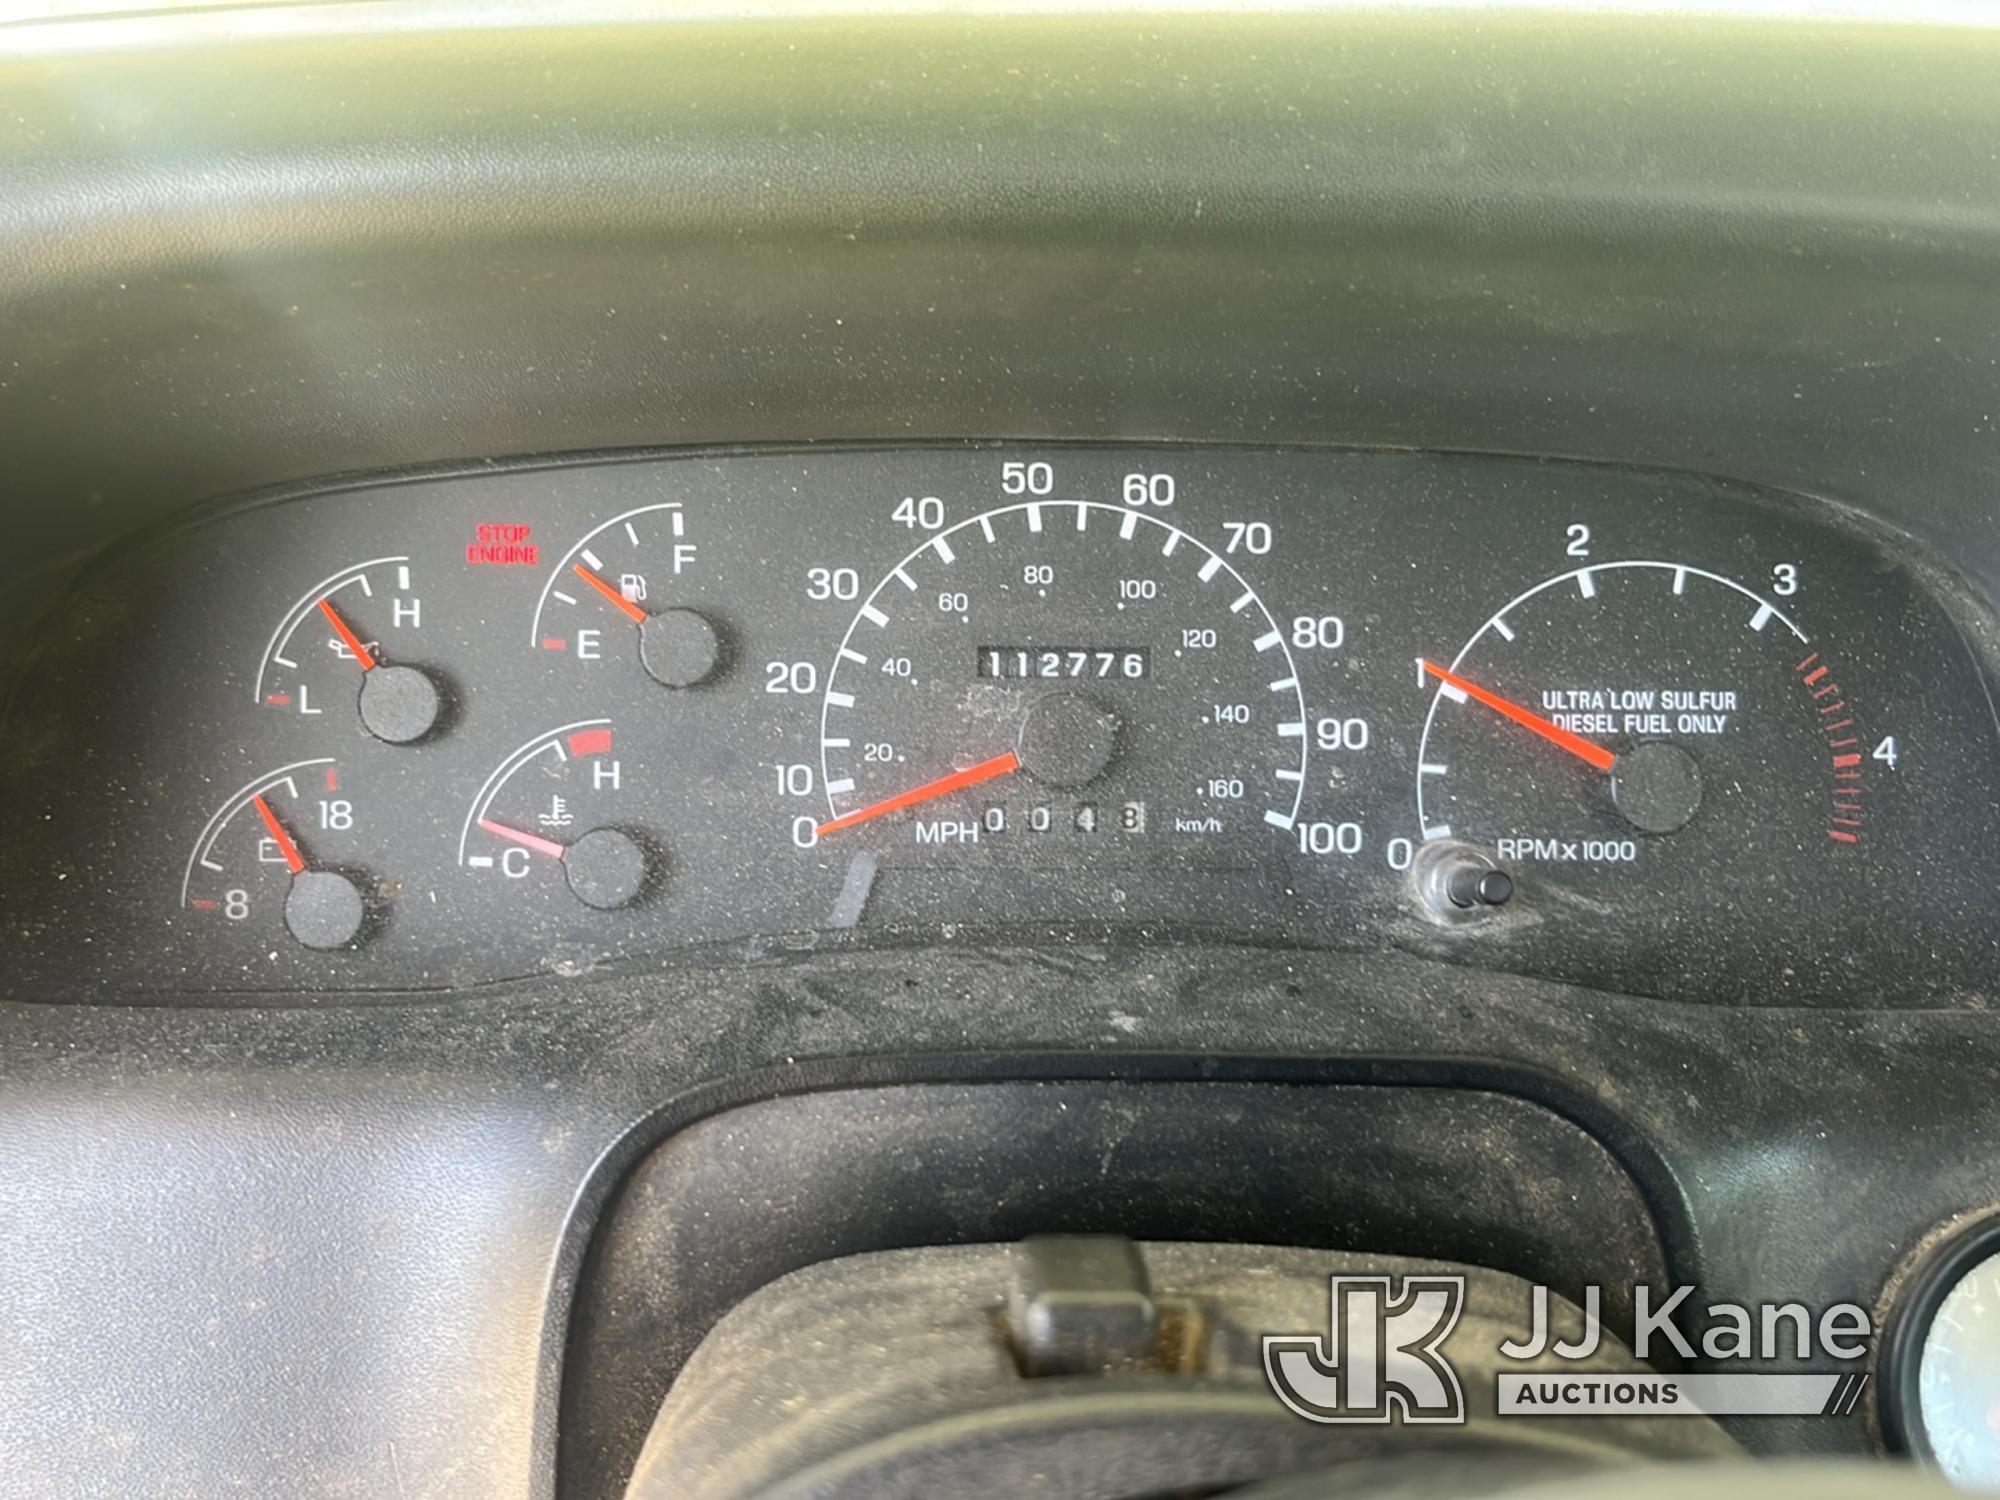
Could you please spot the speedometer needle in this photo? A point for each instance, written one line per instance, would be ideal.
(1584, 750)
(943, 786)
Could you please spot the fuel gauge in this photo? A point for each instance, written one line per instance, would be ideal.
(613, 596)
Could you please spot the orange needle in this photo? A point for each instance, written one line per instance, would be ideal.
(352, 641)
(625, 606)
(1583, 749)
(957, 781)
(294, 861)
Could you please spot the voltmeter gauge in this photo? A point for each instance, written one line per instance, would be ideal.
(612, 597)
(341, 648)
(274, 863)
(553, 818)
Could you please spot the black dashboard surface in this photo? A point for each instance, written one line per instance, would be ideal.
(284, 1248)
(420, 736)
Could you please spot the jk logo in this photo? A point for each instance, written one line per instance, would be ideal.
(1379, 1361)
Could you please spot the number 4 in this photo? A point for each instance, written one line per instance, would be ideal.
(1886, 751)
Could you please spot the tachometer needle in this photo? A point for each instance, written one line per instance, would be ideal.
(1584, 750)
(623, 605)
(347, 636)
(532, 841)
(943, 786)
(294, 861)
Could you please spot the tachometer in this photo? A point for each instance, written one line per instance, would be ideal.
(1637, 720)
(1058, 676)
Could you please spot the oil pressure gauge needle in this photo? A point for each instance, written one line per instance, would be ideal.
(955, 781)
(399, 705)
(348, 638)
(1591, 754)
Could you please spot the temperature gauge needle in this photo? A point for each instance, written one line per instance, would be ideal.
(956, 781)
(294, 861)
(618, 601)
(347, 636)
(532, 841)
(1584, 750)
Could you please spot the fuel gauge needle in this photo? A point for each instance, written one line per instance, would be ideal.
(617, 600)
(943, 786)
(1584, 750)
(294, 861)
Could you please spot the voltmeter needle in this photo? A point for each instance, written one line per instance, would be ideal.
(347, 636)
(956, 781)
(1584, 750)
(294, 861)
(623, 605)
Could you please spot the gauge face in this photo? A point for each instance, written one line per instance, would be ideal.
(1941, 1360)
(1635, 721)
(1052, 678)
(1958, 1380)
(271, 867)
(340, 652)
(550, 823)
(611, 598)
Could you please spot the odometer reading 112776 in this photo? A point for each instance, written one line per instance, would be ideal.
(1060, 675)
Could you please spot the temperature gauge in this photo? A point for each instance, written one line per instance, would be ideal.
(328, 651)
(271, 858)
(551, 814)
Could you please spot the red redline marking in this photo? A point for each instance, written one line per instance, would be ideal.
(1815, 675)
(590, 742)
(955, 781)
(1832, 708)
(1591, 754)
(1845, 838)
(294, 861)
(203, 903)
(1831, 687)
(348, 638)
(1836, 728)
(1849, 759)
(278, 700)
(1837, 744)
(333, 778)
(623, 605)
(1810, 659)
(554, 643)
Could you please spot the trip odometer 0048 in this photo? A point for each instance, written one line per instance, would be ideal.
(1058, 676)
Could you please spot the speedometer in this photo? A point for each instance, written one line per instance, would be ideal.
(1057, 676)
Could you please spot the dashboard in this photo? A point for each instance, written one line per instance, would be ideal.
(644, 653)
(1639, 730)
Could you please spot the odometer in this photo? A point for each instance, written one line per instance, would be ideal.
(1062, 675)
